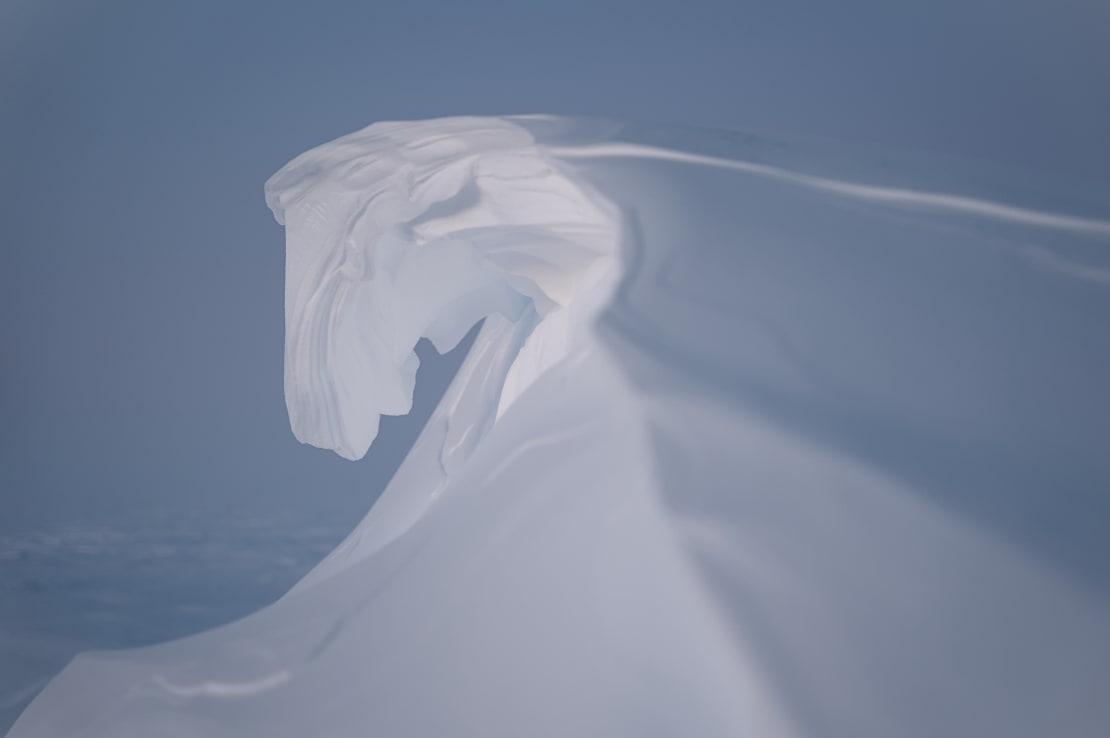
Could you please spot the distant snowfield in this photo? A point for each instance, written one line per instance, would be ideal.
(759, 438)
(144, 579)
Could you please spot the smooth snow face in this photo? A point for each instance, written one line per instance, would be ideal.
(758, 438)
(403, 231)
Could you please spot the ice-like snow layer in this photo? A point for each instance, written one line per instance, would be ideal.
(758, 438)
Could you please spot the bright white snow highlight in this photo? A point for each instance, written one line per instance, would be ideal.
(404, 231)
(759, 438)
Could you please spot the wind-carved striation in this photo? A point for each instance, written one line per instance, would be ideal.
(410, 230)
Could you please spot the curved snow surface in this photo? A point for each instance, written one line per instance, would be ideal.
(759, 438)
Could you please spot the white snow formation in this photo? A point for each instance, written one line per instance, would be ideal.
(759, 437)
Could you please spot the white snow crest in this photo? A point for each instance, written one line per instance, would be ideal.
(402, 231)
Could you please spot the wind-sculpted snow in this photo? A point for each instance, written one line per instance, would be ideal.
(757, 438)
(403, 231)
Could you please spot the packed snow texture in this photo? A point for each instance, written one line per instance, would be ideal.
(758, 438)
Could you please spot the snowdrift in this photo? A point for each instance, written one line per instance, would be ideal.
(758, 438)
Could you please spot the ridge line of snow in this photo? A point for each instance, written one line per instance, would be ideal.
(873, 193)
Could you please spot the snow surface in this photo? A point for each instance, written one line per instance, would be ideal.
(758, 438)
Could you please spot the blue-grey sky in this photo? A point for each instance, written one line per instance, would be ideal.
(141, 286)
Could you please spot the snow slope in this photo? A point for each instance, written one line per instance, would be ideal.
(759, 438)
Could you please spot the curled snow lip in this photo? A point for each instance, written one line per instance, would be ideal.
(410, 230)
